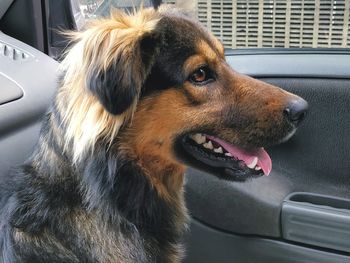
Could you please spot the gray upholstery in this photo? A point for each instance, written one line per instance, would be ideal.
(34, 77)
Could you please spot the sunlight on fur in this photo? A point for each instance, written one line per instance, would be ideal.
(93, 52)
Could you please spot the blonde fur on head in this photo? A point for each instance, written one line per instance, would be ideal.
(103, 44)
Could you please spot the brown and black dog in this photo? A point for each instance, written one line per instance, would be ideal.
(140, 95)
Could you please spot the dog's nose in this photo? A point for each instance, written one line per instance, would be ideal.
(296, 110)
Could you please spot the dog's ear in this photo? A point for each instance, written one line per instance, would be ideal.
(119, 54)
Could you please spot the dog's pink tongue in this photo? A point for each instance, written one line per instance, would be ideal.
(264, 160)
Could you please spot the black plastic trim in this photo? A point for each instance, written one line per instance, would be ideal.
(24, 21)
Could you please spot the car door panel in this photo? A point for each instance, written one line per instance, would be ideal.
(206, 244)
(301, 164)
(34, 76)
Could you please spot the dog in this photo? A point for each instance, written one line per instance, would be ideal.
(140, 97)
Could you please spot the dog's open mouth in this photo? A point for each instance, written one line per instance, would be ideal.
(234, 160)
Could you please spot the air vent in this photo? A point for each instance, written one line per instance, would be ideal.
(12, 53)
(283, 23)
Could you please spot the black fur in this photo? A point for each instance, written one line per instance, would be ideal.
(119, 86)
(106, 86)
(156, 3)
(127, 192)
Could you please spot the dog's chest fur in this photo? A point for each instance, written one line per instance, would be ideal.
(104, 211)
(83, 237)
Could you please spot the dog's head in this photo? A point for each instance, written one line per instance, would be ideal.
(157, 83)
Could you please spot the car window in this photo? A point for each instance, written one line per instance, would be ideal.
(258, 23)
(101, 8)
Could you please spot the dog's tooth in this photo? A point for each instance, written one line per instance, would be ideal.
(201, 138)
(253, 163)
(218, 150)
(208, 145)
(198, 138)
(257, 168)
(228, 154)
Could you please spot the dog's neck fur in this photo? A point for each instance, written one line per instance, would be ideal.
(120, 182)
(154, 157)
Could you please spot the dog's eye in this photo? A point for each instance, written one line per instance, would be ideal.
(202, 75)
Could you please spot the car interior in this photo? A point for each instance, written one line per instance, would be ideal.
(300, 213)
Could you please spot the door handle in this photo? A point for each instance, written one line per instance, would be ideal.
(318, 220)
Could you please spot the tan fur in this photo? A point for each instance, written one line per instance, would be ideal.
(204, 48)
(193, 62)
(219, 47)
(152, 133)
(159, 119)
(87, 121)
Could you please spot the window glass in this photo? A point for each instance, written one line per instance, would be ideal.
(259, 23)
(98, 8)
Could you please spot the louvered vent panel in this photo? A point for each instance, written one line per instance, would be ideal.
(282, 23)
(221, 20)
(301, 23)
(241, 23)
(307, 23)
(325, 18)
(279, 16)
(295, 23)
(348, 31)
(253, 23)
(247, 22)
(12, 53)
(203, 13)
(336, 23)
(268, 23)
